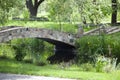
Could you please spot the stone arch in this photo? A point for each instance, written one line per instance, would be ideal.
(45, 34)
(64, 42)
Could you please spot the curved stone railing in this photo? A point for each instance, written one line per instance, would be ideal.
(107, 30)
(9, 33)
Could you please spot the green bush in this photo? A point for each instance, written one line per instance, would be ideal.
(105, 64)
(114, 42)
(100, 64)
(19, 47)
(32, 50)
(26, 15)
(29, 50)
(86, 67)
(6, 50)
(88, 47)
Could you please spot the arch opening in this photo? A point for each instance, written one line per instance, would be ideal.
(64, 49)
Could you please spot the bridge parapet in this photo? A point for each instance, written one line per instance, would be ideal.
(28, 32)
(64, 42)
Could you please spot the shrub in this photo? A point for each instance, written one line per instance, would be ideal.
(118, 66)
(87, 67)
(19, 45)
(88, 47)
(28, 61)
(105, 64)
(26, 15)
(32, 50)
(100, 63)
(19, 54)
(3, 57)
(6, 50)
(41, 63)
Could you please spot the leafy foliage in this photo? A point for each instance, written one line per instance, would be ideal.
(6, 50)
(93, 11)
(32, 50)
(5, 7)
(91, 46)
(105, 64)
(60, 10)
(87, 67)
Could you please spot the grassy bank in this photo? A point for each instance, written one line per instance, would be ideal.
(11, 66)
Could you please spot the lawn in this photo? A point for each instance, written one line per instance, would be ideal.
(65, 26)
(12, 66)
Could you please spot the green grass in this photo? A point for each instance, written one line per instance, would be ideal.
(66, 27)
(11, 66)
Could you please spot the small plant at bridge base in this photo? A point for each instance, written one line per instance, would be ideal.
(104, 64)
(100, 63)
(87, 67)
(19, 54)
(65, 65)
(33, 51)
(6, 50)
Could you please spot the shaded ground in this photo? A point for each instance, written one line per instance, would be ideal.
(4, 76)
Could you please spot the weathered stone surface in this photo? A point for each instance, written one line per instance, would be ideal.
(54, 37)
(64, 42)
(105, 30)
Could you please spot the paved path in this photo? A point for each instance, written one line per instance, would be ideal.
(27, 77)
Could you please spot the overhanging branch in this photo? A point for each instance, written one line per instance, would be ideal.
(40, 1)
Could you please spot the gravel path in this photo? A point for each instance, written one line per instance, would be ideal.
(27, 77)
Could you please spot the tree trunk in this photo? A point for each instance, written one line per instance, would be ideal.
(33, 8)
(114, 12)
(33, 12)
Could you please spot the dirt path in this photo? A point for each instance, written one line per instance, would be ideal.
(4, 76)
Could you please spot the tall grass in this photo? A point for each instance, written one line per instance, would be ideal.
(90, 46)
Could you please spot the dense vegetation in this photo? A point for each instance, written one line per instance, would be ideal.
(30, 50)
(90, 47)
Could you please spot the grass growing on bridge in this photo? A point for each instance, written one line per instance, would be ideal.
(11, 66)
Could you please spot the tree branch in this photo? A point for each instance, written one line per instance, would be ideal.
(40, 1)
(29, 3)
(35, 2)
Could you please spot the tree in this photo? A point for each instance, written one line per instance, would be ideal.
(60, 11)
(114, 12)
(90, 11)
(32, 6)
(5, 7)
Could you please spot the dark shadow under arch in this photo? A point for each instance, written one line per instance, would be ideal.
(64, 42)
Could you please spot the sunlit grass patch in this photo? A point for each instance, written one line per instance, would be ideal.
(64, 26)
(11, 66)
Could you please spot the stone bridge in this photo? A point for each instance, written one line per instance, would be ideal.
(64, 42)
